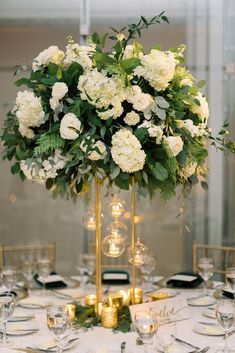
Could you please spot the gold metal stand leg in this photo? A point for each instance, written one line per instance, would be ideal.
(133, 236)
(98, 242)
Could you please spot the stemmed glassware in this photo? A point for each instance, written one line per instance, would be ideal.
(59, 324)
(7, 306)
(145, 323)
(225, 314)
(9, 277)
(27, 268)
(86, 265)
(166, 335)
(205, 270)
(147, 268)
(230, 278)
(43, 269)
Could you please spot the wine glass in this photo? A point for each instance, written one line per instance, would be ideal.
(230, 278)
(9, 277)
(166, 335)
(58, 323)
(145, 323)
(88, 263)
(44, 269)
(205, 270)
(7, 305)
(225, 314)
(147, 268)
(27, 268)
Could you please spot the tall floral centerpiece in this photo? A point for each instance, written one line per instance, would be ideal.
(122, 115)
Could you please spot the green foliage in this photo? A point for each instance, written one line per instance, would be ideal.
(48, 142)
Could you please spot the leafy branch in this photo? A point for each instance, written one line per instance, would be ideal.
(48, 142)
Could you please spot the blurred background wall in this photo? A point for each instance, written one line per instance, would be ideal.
(27, 212)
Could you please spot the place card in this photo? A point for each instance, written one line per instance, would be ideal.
(175, 309)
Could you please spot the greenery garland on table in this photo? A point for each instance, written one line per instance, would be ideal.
(86, 318)
(112, 114)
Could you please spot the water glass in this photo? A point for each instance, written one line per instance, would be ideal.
(205, 270)
(145, 324)
(225, 314)
(230, 278)
(59, 324)
(9, 277)
(7, 306)
(166, 335)
(27, 268)
(87, 265)
(147, 268)
(43, 269)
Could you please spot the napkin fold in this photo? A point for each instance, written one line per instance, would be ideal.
(180, 280)
(58, 282)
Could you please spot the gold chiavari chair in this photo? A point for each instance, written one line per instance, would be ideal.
(223, 256)
(13, 255)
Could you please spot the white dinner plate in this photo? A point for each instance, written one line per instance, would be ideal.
(201, 301)
(52, 343)
(17, 329)
(176, 348)
(208, 330)
(209, 313)
(20, 317)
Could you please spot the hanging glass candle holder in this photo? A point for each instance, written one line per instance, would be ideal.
(117, 228)
(113, 246)
(89, 219)
(116, 206)
(140, 251)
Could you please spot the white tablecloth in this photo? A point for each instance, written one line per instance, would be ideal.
(98, 337)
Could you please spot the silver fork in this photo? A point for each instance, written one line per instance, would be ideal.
(203, 350)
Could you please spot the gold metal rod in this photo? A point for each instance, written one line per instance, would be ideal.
(98, 242)
(133, 235)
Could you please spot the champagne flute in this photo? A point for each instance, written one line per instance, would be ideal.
(145, 323)
(7, 305)
(44, 269)
(230, 278)
(205, 270)
(166, 335)
(59, 323)
(9, 277)
(225, 314)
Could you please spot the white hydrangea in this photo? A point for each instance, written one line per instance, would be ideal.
(153, 130)
(175, 144)
(102, 92)
(132, 118)
(157, 68)
(29, 112)
(94, 155)
(79, 54)
(126, 151)
(141, 101)
(51, 54)
(39, 171)
(201, 110)
(193, 129)
(59, 90)
(70, 127)
(187, 171)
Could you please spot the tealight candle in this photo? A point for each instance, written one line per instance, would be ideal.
(125, 297)
(138, 298)
(115, 300)
(90, 299)
(99, 308)
(159, 296)
(71, 310)
(109, 317)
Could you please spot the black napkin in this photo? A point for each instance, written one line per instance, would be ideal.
(51, 285)
(185, 284)
(227, 294)
(115, 277)
(5, 292)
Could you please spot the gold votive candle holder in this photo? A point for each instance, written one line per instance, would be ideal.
(125, 297)
(138, 298)
(90, 299)
(99, 308)
(115, 300)
(159, 295)
(71, 310)
(109, 317)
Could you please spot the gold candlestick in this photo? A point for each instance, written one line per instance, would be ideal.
(133, 235)
(137, 294)
(90, 299)
(98, 242)
(115, 300)
(99, 308)
(109, 317)
(71, 310)
(125, 297)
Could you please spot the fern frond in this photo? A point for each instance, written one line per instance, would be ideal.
(48, 142)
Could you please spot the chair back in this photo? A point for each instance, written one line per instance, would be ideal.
(223, 256)
(14, 255)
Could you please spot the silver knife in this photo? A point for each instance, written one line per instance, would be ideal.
(123, 346)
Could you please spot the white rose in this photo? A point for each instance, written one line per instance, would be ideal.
(94, 155)
(70, 127)
(141, 101)
(59, 90)
(26, 132)
(175, 143)
(132, 118)
(201, 110)
(51, 54)
(156, 131)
